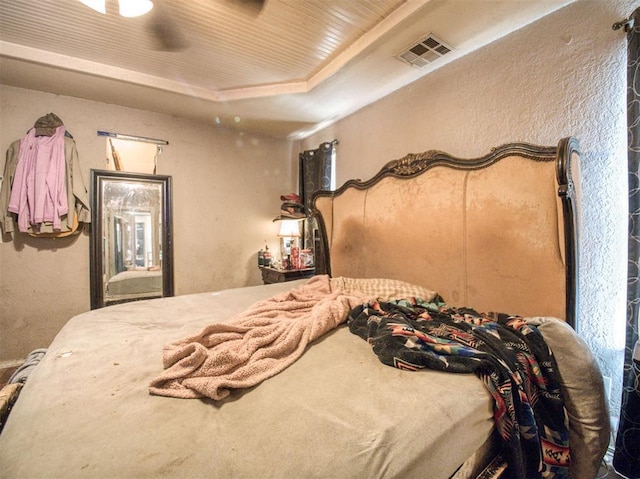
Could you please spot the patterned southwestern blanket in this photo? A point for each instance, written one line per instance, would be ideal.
(508, 355)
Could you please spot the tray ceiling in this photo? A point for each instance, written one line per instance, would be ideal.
(284, 70)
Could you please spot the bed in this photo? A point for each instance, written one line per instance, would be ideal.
(496, 233)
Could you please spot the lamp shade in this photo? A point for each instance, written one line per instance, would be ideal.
(289, 228)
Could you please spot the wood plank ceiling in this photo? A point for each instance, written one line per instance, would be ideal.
(276, 67)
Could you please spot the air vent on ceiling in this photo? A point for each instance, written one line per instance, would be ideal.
(425, 51)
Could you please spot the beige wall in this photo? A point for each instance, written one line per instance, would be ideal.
(563, 75)
(226, 191)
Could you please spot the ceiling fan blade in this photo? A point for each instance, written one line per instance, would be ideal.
(166, 34)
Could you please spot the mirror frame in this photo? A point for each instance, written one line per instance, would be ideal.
(98, 177)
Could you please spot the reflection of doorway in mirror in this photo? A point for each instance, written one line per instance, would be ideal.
(139, 244)
(134, 156)
(118, 244)
(144, 241)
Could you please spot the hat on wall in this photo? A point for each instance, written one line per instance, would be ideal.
(291, 197)
(293, 210)
(46, 125)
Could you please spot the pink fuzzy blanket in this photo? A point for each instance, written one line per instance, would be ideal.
(254, 345)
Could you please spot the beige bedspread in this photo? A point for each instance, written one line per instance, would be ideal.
(254, 345)
(266, 338)
(337, 412)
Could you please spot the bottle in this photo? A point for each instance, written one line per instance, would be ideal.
(295, 257)
(260, 258)
(267, 255)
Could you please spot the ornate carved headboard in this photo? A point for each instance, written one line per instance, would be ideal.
(496, 233)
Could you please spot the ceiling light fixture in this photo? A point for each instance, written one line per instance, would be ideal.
(127, 8)
(134, 8)
(97, 5)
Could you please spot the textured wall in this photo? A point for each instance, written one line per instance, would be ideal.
(226, 189)
(563, 75)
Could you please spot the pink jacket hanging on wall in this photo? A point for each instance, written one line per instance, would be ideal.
(39, 192)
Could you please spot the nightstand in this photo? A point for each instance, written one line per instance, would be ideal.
(272, 275)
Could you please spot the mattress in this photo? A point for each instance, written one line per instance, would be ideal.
(335, 413)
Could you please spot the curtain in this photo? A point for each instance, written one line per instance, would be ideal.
(316, 171)
(626, 458)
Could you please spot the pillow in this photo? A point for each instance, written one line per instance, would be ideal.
(583, 390)
(382, 289)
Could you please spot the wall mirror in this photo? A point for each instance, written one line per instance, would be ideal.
(131, 237)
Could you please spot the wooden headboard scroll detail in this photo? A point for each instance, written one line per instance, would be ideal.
(460, 225)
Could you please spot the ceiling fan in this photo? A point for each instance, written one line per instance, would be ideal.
(164, 29)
